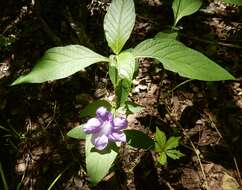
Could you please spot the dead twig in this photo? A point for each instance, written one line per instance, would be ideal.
(167, 184)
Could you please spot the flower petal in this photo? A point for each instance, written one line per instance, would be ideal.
(110, 116)
(120, 123)
(100, 142)
(102, 113)
(121, 137)
(93, 125)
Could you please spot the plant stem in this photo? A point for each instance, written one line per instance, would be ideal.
(179, 85)
(58, 177)
(5, 185)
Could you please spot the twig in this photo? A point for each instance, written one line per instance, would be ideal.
(160, 84)
(53, 116)
(167, 184)
(237, 170)
(197, 152)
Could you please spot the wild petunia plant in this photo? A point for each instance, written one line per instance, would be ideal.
(104, 131)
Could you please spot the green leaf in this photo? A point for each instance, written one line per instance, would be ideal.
(165, 35)
(118, 23)
(138, 139)
(232, 2)
(61, 62)
(126, 65)
(98, 163)
(178, 58)
(77, 133)
(174, 154)
(183, 8)
(133, 107)
(172, 142)
(162, 158)
(90, 109)
(122, 92)
(160, 137)
(122, 66)
(157, 148)
(113, 71)
(122, 110)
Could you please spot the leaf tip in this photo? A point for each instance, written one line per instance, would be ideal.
(18, 81)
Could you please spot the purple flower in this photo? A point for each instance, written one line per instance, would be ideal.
(105, 128)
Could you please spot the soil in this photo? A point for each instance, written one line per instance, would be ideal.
(35, 118)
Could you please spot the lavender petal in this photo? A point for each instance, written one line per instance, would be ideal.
(93, 125)
(110, 116)
(117, 136)
(100, 142)
(120, 123)
(102, 113)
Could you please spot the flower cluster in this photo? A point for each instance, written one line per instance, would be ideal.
(104, 128)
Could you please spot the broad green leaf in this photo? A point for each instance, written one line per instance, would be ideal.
(98, 163)
(133, 107)
(61, 62)
(178, 58)
(174, 154)
(118, 23)
(183, 8)
(162, 158)
(122, 66)
(130, 50)
(165, 35)
(77, 133)
(126, 65)
(232, 2)
(90, 109)
(122, 92)
(138, 139)
(113, 71)
(160, 137)
(172, 142)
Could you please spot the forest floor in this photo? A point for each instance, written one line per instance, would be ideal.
(34, 118)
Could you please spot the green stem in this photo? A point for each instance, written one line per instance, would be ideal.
(5, 185)
(58, 177)
(179, 85)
